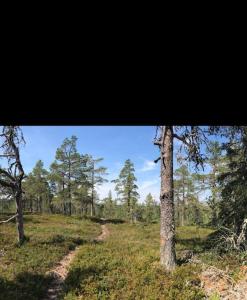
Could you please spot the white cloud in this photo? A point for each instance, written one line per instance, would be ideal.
(149, 186)
(148, 166)
(104, 189)
(148, 183)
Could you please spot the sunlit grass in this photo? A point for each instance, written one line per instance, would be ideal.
(22, 268)
(126, 266)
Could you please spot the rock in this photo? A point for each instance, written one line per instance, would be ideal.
(186, 255)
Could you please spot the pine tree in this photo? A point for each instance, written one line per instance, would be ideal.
(11, 178)
(37, 189)
(150, 209)
(191, 138)
(109, 206)
(233, 202)
(95, 177)
(183, 186)
(216, 161)
(65, 171)
(127, 189)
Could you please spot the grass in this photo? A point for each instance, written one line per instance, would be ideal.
(126, 266)
(22, 269)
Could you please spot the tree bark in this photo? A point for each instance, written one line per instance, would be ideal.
(167, 229)
(69, 188)
(19, 218)
(92, 200)
(183, 205)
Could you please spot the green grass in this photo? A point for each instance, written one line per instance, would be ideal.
(126, 266)
(22, 269)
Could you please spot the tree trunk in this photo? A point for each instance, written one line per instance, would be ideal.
(64, 203)
(92, 210)
(92, 200)
(69, 188)
(19, 218)
(129, 208)
(167, 229)
(70, 199)
(183, 207)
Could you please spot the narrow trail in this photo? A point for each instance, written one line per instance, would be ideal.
(60, 272)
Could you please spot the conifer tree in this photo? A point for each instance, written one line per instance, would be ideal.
(65, 169)
(37, 189)
(95, 176)
(191, 138)
(12, 176)
(233, 202)
(127, 189)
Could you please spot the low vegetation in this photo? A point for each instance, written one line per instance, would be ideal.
(49, 238)
(126, 266)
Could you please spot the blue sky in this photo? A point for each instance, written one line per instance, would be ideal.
(114, 143)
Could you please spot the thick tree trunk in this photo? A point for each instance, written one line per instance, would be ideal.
(167, 229)
(19, 218)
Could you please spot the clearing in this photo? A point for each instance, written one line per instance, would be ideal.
(114, 260)
(23, 269)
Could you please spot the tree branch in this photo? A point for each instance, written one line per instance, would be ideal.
(156, 160)
(157, 142)
(6, 174)
(11, 218)
(6, 184)
(182, 139)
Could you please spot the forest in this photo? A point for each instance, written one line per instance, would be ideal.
(60, 239)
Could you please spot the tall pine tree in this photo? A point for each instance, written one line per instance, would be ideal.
(126, 188)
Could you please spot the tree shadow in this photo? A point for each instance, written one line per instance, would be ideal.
(25, 286)
(196, 244)
(77, 275)
(114, 221)
(105, 221)
(61, 240)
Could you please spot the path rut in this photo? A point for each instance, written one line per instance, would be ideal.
(60, 272)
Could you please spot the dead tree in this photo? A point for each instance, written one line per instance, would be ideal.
(191, 138)
(11, 177)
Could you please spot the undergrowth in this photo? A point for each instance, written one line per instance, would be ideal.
(22, 269)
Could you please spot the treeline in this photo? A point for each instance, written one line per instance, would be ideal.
(69, 187)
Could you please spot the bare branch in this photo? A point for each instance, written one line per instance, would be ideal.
(156, 160)
(7, 174)
(182, 139)
(6, 184)
(6, 221)
(157, 142)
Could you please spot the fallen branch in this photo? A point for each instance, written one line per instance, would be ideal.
(11, 218)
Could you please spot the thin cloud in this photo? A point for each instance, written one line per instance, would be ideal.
(149, 165)
(149, 186)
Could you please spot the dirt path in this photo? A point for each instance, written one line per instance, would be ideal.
(60, 272)
(105, 233)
